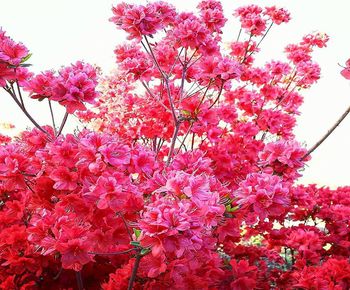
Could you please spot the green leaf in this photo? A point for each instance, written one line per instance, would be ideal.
(24, 59)
(135, 243)
(186, 113)
(25, 65)
(145, 251)
(137, 232)
(231, 209)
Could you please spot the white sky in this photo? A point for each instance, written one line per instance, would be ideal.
(59, 32)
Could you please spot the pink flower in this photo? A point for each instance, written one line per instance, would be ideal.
(107, 193)
(189, 31)
(318, 39)
(346, 71)
(164, 217)
(212, 13)
(244, 275)
(64, 179)
(116, 154)
(252, 19)
(11, 52)
(74, 86)
(284, 157)
(42, 85)
(139, 20)
(265, 194)
(74, 254)
(277, 15)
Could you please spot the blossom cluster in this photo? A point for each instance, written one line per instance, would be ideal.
(71, 87)
(13, 55)
(187, 176)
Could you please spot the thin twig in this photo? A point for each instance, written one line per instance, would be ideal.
(189, 60)
(176, 59)
(26, 113)
(217, 98)
(153, 96)
(52, 118)
(113, 253)
(205, 93)
(183, 77)
(173, 141)
(330, 131)
(239, 34)
(79, 280)
(58, 274)
(192, 142)
(184, 139)
(20, 94)
(62, 124)
(126, 225)
(257, 46)
(160, 144)
(166, 79)
(134, 271)
(246, 49)
(154, 58)
(171, 101)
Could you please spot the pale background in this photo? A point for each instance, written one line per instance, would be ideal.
(62, 31)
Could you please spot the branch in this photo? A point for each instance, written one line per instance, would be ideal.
(205, 93)
(62, 124)
(79, 280)
(113, 253)
(176, 59)
(125, 224)
(184, 139)
(239, 34)
(173, 141)
(26, 113)
(165, 77)
(20, 94)
(52, 117)
(330, 131)
(183, 77)
(257, 46)
(153, 96)
(134, 271)
(217, 98)
(154, 58)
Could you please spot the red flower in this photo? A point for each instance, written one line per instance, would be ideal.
(64, 179)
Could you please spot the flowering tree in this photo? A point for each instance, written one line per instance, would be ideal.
(187, 180)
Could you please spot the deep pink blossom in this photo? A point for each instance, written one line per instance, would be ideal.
(265, 194)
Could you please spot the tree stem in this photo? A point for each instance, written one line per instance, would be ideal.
(173, 141)
(26, 112)
(52, 118)
(330, 131)
(79, 280)
(62, 124)
(134, 271)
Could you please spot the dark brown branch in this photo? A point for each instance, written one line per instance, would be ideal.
(20, 94)
(173, 141)
(330, 131)
(217, 98)
(52, 117)
(134, 271)
(184, 139)
(62, 124)
(79, 280)
(26, 113)
(113, 253)
(126, 225)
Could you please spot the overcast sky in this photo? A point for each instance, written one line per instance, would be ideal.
(62, 31)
